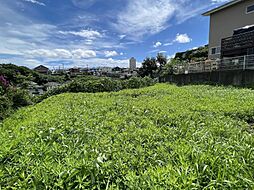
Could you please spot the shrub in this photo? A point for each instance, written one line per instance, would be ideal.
(95, 84)
(133, 82)
(19, 97)
(1, 90)
(5, 107)
(3, 82)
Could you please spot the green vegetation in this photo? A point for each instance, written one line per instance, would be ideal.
(14, 83)
(152, 67)
(15, 80)
(183, 58)
(198, 54)
(93, 84)
(160, 137)
(161, 66)
(12, 98)
(18, 75)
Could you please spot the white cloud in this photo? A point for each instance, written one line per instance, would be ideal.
(89, 34)
(102, 62)
(83, 3)
(42, 53)
(110, 53)
(153, 51)
(145, 17)
(139, 18)
(43, 45)
(168, 44)
(80, 53)
(122, 36)
(35, 2)
(182, 38)
(157, 44)
(61, 53)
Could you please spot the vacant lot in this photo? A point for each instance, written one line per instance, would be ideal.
(160, 137)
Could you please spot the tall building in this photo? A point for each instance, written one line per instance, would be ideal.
(133, 63)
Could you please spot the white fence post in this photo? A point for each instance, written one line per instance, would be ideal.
(244, 62)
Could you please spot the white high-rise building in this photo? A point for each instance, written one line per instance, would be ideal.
(133, 63)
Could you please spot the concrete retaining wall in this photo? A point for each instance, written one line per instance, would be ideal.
(234, 77)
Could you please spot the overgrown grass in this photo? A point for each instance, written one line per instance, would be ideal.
(160, 137)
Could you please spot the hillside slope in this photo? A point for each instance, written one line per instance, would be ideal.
(158, 137)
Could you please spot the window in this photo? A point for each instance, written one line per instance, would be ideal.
(215, 50)
(250, 9)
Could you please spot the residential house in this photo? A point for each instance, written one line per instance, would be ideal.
(231, 29)
(74, 71)
(42, 69)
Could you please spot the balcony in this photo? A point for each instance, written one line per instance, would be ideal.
(245, 62)
(237, 45)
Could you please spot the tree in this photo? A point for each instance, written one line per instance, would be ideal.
(161, 60)
(149, 67)
(169, 67)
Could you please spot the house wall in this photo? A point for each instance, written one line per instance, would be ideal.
(41, 70)
(223, 22)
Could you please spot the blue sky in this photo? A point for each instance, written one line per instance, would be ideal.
(99, 32)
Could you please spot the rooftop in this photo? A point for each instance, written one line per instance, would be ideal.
(224, 6)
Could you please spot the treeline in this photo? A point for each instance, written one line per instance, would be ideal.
(91, 84)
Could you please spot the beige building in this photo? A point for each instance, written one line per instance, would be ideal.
(133, 63)
(231, 29)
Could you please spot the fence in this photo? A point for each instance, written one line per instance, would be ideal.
(232, 63)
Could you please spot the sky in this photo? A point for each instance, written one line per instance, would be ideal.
(99, 33)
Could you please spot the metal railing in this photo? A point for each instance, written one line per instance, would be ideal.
(241, 41)
(232, 63)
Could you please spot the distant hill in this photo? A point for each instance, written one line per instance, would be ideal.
(197, 54)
